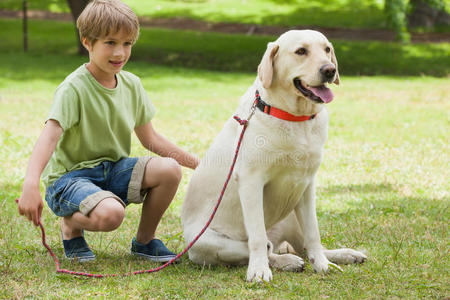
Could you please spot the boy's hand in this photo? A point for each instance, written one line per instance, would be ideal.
(30, 204)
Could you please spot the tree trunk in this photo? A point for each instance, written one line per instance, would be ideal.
(76, 7)
(425, 15)
(25, 25)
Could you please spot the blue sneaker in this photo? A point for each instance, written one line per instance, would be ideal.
(155, 250)
(77, 249)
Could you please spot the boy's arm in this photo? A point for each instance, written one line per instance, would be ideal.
(30, 202)
(158, 144)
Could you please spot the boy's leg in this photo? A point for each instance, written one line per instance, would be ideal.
(106, 216)
(161, 177)
(84, 205)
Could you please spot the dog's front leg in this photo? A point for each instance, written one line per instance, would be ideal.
(307, 218)
(251, 188)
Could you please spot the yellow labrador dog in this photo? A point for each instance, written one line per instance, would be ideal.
(271, 196)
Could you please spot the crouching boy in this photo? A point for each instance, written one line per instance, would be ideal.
(86, 142)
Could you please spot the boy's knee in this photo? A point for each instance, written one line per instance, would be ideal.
(173, 171)
(110, 214)
(169, 171)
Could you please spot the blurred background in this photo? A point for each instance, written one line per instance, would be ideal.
(371, 37)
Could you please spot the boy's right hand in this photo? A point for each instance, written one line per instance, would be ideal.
(30, 204)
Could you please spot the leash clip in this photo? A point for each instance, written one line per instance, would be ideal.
(245, 121)
(252, 111)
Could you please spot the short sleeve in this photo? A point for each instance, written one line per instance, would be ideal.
(146, 110)
(65, 108)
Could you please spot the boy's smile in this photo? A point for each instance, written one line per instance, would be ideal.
(107, 56)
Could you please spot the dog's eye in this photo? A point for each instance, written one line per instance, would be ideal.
(327, 49)
(301, 51)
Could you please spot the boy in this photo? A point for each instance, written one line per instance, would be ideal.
(86, 142)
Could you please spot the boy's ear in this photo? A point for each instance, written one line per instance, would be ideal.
(86, 44)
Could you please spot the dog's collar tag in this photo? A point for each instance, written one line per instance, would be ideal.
(278, 113)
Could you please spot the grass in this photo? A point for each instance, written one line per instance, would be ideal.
(383, 184)
(343, 13)
(227, 52)
(382, 188)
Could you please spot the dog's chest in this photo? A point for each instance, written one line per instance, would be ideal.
(293, 158)
(289, 150)
(285, 189)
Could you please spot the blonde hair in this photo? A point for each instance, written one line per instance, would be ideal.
(101, 18)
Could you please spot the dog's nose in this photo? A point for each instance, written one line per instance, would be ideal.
(328, 71)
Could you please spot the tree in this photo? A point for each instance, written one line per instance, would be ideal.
(428, 13)
(404, 14)
(76, 7)
(396, 17)
(25, 25)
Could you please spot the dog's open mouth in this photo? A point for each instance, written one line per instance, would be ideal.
(319, 94)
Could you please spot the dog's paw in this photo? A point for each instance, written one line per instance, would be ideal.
(346, 256)
(321, 264)
(259, 274)
(286, 262)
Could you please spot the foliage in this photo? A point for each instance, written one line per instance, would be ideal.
(396, 16)
(438, 4)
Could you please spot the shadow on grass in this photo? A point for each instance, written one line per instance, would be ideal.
(353, 15)
(382, 198)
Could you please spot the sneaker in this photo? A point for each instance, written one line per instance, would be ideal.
(77, 249)
(155, 250)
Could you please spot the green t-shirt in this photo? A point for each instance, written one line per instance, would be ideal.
(97, 121)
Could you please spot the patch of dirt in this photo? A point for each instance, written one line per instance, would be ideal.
(189, 24)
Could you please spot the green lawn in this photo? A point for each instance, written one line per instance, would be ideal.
(383, 185)
(341, 13)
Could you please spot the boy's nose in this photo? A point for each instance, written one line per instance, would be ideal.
(119, 51)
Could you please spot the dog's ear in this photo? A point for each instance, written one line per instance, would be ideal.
(334, 61)
(265, 68)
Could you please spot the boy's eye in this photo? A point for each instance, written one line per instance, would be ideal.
(128, 44)
(110, 42)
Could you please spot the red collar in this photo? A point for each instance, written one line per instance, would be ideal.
(278, 113)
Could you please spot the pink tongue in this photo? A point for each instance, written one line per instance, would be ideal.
(323, 93)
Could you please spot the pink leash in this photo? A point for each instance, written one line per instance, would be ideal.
(244, 123)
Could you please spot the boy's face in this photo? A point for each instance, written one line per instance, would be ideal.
(108, 55)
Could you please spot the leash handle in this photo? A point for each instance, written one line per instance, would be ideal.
(244, 124)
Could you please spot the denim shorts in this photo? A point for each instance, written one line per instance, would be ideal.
(81, 190)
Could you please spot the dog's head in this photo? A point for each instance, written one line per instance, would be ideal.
(301, 62)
